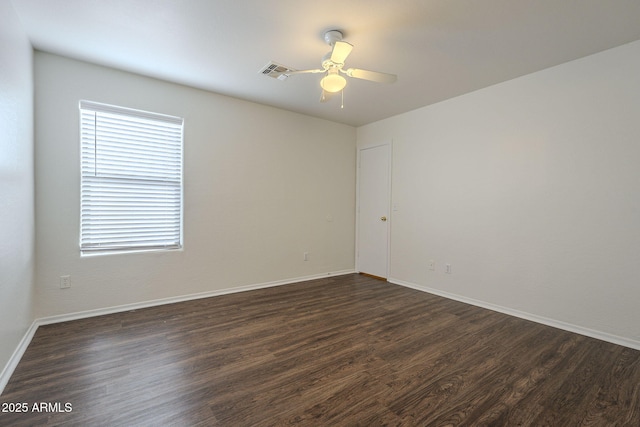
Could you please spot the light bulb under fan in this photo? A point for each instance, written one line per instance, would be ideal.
(333, 82)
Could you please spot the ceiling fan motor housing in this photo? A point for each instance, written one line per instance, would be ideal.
(327, 63)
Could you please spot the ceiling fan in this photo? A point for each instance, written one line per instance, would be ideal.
(332, 68)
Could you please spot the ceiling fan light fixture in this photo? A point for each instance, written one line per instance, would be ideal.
(332, 63)
(333, 82)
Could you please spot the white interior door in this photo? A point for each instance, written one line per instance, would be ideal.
(373, 209)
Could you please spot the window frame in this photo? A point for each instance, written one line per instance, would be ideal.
(146, 200)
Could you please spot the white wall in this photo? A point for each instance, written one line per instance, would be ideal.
(262, 186)
(16, 184)
(530, 189)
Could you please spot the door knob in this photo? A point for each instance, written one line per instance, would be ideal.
(383, 218)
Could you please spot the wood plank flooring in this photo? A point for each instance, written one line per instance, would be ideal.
(349, 350)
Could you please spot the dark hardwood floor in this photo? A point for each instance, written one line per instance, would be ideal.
(348, 350)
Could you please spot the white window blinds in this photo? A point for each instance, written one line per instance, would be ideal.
(131, 179)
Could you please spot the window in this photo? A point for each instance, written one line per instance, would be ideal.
(131, 180)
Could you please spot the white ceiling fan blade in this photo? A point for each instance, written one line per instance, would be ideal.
(340, 52)
(303, 71)
(373, 76)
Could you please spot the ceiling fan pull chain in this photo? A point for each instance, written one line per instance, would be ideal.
(342, 102)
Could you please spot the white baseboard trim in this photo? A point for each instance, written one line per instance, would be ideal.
(28, 336)
(171, 300)
(603, 336)
(17, 355)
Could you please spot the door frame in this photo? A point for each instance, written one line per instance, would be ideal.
(366, 146)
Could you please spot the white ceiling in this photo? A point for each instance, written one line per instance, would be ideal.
(438, 48)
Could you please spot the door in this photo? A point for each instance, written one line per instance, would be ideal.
(373, 210)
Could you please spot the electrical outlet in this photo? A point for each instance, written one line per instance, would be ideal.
(447, 268)
(431, 264)
(65, 282)
(305, 256)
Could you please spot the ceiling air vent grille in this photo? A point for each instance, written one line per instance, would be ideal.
(275, 70)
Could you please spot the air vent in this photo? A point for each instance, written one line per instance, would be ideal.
(277, 71)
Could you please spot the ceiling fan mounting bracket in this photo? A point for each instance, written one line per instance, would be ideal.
(333, 36)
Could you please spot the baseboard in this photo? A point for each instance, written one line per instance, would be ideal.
(17, 355)
(24, 343)
(603, 336)
(171, 300)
